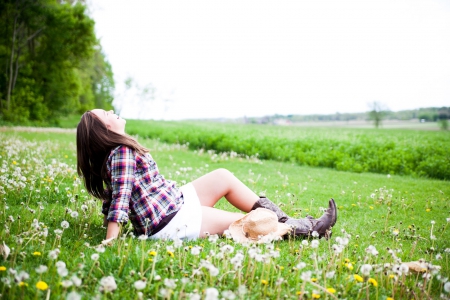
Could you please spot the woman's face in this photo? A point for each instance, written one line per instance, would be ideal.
(112, 121)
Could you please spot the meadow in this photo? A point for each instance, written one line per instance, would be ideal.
(51, 229)
(386, 151)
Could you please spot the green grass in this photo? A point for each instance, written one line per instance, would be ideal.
(372, 207)
(387, 151)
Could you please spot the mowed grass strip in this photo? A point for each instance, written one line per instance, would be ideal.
(383, 221)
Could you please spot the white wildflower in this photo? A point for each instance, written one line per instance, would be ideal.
(74, 214)
(170, 283)
(365, 269)
(65, 224)
(73, 296)
(212, 294)
(76, 281)
(95, 256)
(315, 234)
(447, 287)
(306, 276)
(66, 283)
(315, 244)
(140, 285)
(41, 269)
(228, 295)
(107, 284)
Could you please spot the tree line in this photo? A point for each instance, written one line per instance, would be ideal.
(51, 63)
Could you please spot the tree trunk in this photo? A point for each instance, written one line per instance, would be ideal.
(11, 63)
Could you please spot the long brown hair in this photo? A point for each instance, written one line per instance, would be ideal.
(94, 144)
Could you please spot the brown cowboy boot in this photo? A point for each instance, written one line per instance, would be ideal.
(303, 227)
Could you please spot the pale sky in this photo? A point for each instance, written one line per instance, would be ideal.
(210, 59)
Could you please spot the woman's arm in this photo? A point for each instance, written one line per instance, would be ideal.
(113, 230)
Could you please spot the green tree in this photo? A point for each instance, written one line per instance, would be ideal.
(377, 113)
(50, 61)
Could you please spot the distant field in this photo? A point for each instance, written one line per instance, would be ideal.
(388, 151)
(388, 124)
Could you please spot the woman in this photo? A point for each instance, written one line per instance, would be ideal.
(121, 172)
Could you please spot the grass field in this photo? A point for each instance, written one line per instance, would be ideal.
(51, 227)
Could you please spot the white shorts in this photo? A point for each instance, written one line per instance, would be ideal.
(188, 221)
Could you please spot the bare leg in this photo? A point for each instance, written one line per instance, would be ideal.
(221, 183)
(216, 221)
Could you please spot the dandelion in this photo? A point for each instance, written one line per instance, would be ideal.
(22, 284)
(301, 265)
(95, 256)
(152, 253)
(41, 269)
(314, 234)
(373, 282)
(228, 295)
(264, 282)
(65, 224)
(73, 296)
(428, 210)
(66, 283)
(331, 290)
(170, 283)
(76, 281)
(41, 285)
(358, 278)
(140, 285)
(53, 254)
(365, 269)
(372, 250)
(447, 287)
(315, 244)
(211, 294)
(107, 284)
(349, 266)
(389, 298)
(2, 268)
(195, 250)
(306, 276)
(395, 232)
(74, 214)
(170, 253)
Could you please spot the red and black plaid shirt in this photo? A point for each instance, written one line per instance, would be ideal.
(137, 191)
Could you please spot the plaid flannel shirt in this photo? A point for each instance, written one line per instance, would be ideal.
(137, 191)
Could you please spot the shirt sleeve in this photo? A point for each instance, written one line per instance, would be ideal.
(123, 167)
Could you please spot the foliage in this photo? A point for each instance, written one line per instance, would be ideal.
(405, 152)
(51, 62)
(52, 229)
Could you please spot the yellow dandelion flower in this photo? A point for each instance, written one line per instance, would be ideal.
(315, 296)
(349, 266)
(21, 284)
(391, 276)
(331, 290)
(14, 162)
(353, 204)
(389, 298)
(150, 260)
(358, 278)
(373, 282)
(371, 207)
(170, 253)
(313, 279)
(265, 282)
(347, 260)
(152, 253)
(37, 253)
(298, 293)
(2, 268)
(428, 210)
(281, 267)
(41, 285)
